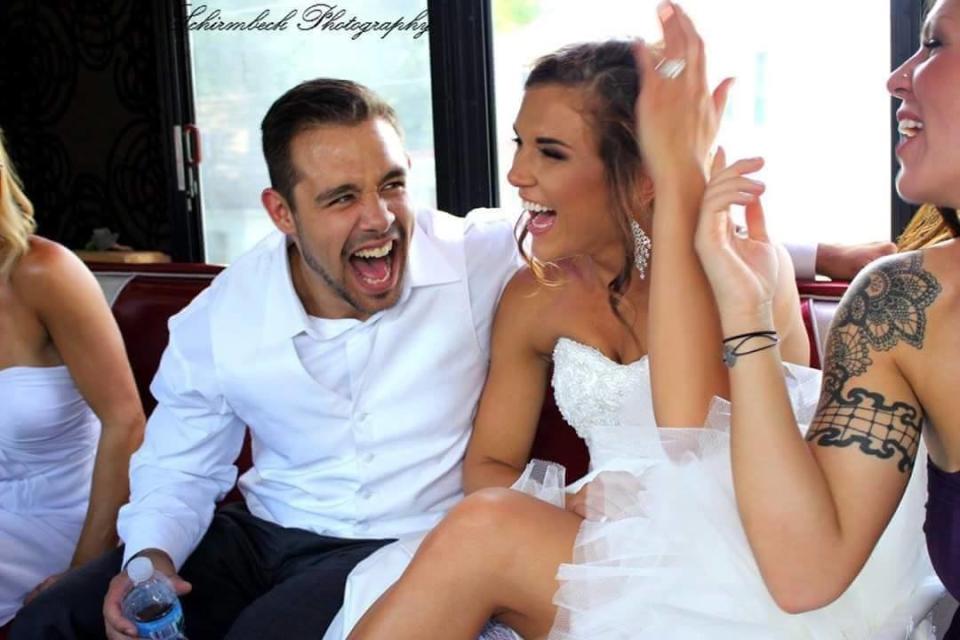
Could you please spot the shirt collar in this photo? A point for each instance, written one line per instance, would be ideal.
(430, 261)
(433, 257)
(285, 315)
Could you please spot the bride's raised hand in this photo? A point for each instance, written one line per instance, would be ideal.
(741, 267)
(677, 115)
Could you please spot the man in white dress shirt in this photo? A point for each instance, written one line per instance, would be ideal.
(353, 344)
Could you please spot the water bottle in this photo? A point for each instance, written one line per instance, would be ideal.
(152, 604)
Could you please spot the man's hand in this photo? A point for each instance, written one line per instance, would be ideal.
(612, 495)
(577, 502)
(117, 626)
(844, 262)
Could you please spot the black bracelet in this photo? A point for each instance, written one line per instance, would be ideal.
(732, 352)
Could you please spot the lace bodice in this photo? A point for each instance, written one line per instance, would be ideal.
(609, 404)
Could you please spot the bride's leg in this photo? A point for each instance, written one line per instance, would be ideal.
(496, 554)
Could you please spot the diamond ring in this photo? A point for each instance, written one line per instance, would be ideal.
(670, 68)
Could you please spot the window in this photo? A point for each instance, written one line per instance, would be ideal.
(810, 96)
(239, 73)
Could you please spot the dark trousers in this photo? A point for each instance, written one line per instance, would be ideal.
(251, 579)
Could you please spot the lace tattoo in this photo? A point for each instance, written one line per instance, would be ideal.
(881, 310)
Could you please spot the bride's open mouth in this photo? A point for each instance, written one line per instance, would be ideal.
(540, 218)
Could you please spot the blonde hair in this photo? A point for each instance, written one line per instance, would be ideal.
(927, 227)
(16, 216)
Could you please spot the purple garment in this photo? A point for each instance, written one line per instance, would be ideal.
(942, 528)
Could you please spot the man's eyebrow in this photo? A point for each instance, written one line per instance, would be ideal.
(394, 173)
(336, 192)
(347, 188)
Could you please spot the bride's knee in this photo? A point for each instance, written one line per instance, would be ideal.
(481, 522)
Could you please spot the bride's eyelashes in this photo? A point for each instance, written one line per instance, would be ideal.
(549, 152)
(553, 154)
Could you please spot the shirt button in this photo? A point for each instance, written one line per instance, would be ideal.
(365, 494)
(367, 458)
(363, 526)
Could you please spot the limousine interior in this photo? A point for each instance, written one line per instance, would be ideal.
(134, 126)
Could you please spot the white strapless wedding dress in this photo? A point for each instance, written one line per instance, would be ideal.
(663, 554)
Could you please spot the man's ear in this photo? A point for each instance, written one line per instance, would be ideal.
(279, 211)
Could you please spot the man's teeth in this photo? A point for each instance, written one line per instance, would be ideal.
(375, 252)
(533, 207)
(909, 128)
(372, 281)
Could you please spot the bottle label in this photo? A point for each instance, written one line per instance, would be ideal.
(166, 624)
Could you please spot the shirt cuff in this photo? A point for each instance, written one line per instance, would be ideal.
(154, 532)
(804, 257)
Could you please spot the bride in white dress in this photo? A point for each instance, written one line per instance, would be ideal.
(653, 548)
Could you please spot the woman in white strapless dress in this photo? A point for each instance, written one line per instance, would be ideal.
(70, 415)
(654, 547)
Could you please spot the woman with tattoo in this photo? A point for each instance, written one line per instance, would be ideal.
(814, 510)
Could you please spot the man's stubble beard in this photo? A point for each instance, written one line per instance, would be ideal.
(314, 265)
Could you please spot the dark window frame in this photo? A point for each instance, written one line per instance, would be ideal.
(464, 114)
(906, 18)
(178, 116)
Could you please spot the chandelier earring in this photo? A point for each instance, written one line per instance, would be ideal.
(641, 248)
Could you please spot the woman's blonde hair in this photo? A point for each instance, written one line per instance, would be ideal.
(16, 215)
(928, 226)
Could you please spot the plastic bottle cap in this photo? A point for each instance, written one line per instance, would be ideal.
(140, 569)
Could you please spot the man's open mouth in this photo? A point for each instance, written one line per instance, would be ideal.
(373, 266)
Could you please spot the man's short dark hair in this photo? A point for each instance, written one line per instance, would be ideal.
(322, 101)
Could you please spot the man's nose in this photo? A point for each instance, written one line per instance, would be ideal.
(376, 215)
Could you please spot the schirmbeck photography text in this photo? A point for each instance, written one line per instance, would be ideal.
(329, 18)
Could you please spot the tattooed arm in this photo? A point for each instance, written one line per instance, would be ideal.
(828, 499)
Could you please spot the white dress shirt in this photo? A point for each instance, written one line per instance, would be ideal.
(358, 428)
(804, 257)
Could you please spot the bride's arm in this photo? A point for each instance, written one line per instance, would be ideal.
(788, 319)
(677, 122)
(509, 409)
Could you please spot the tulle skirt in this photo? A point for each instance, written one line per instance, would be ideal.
(664, 555)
